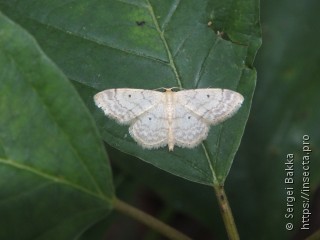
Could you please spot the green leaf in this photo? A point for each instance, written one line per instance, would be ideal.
(153, 44)
(55, 178)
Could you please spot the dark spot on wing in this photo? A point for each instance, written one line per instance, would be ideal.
(140, 23)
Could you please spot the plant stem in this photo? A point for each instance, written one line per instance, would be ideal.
(148, 220)
(226, 212)
(314, 236)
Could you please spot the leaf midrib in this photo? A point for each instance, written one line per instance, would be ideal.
(178, 78)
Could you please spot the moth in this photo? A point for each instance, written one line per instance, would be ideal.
(170, 118)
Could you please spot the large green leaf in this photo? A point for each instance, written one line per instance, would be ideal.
(55, 178)
(152, 44)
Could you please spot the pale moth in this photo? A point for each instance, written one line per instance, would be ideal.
(170, 118)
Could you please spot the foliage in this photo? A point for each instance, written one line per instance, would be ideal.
(55, 173)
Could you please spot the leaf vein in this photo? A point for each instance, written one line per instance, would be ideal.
(204, 60)
(52, 178)
(173, 9)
